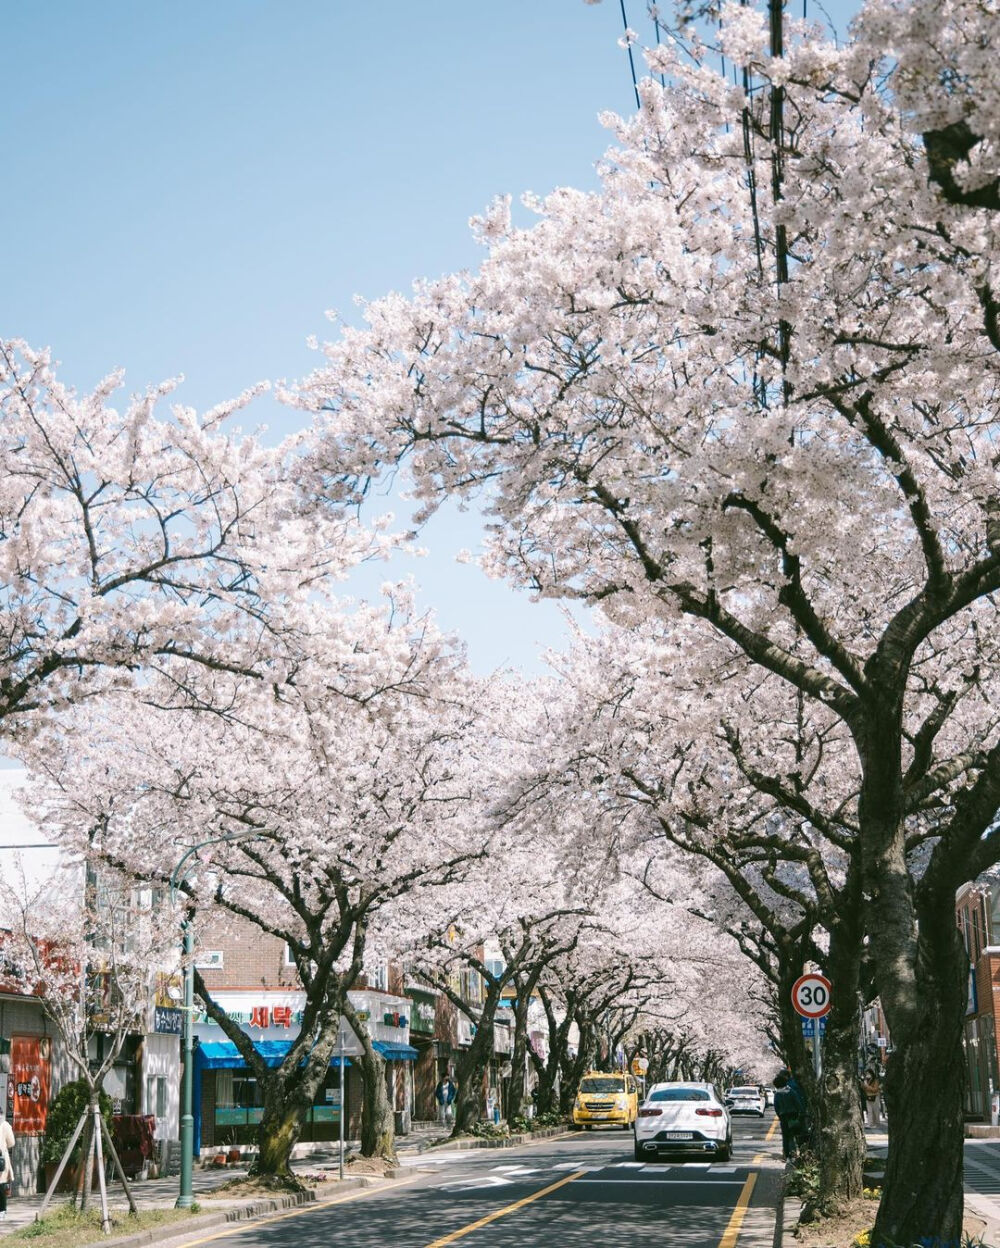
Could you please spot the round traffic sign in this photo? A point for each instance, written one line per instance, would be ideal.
(811, 995)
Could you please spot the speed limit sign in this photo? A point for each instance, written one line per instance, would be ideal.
(811, 995)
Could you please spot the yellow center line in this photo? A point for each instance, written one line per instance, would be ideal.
(502, 1213)
(247, 1223)
(732, 1230)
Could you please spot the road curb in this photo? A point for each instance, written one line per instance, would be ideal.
(789, 1211)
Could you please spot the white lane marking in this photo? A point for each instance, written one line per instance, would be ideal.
(722, 1170)
(572, 1165)
(487, 1180)
(436, 1159)
(509, 1170)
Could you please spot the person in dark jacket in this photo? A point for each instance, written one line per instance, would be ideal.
(790, 1107)
(445, 1094)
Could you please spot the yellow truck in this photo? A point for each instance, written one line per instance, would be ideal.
(605, 1100)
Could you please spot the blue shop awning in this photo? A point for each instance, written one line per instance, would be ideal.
(224, 1055)
(396, 1052)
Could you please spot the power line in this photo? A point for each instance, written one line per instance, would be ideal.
(631, 58)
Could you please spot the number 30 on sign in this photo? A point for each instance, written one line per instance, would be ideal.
(811, 995)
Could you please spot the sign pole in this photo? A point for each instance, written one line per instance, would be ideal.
(340, 1039)
(811, 998)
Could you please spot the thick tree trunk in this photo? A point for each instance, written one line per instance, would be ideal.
(573, 1069)
(519, 1057)
(549, 1070)
(288, 1089)
(279, 1130)
(378, 1134)
(921, 971)
(288, 1093)
(471, 1072)
(548, 1073)
(924, 1091)
(838, 1129)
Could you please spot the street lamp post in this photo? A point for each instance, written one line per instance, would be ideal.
(185, 1197)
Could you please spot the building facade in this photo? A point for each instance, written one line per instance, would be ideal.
(977, 912)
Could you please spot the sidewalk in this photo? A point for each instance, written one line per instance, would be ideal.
(162, 1193)
(320, 1163)
(982, 1213)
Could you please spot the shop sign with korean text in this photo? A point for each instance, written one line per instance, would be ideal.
(30, 1075)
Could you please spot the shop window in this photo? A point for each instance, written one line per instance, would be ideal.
(224, 1089)
(247, 1092)
(993, 905)
(156, 1096)
(472, 986)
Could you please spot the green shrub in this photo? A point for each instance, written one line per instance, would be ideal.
(489, 1130)
(552, 1118)
(64, 1113)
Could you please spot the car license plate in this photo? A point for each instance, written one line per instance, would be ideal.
(680, 1135)
(600, 1115)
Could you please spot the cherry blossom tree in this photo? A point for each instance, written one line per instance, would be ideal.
(133, 540)
(525, 900)
(91, 944)
(725, 796)
(747, 388)
(322, 796)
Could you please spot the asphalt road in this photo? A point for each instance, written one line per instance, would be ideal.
(567, 1192)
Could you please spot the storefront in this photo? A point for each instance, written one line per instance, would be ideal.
(427, 1066)
(228, 1099)
(387, 1018)
(33, 1066)
(159, 1076)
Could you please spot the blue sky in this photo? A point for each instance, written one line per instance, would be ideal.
(192, 184)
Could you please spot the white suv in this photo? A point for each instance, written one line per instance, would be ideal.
(746, 1101)
(683, 1118)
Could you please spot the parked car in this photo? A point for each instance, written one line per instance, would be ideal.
(746, 1101)
(605, 1100)
(683, 1118)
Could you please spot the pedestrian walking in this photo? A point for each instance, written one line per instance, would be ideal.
(871, 1090)
(445, 1094)
(6, 1168)
(789, 1105)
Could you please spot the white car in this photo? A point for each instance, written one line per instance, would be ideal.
(746, 1101)
(683, 1118)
